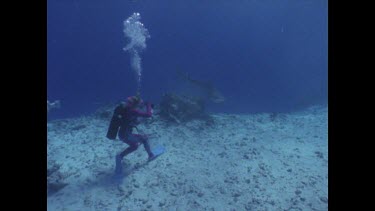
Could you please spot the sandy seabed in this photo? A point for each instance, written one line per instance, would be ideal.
(241, 162)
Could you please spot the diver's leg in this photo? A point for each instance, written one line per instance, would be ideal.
(128, 150)
(119, 157)
(144, 140)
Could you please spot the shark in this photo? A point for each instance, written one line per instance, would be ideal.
(207, 88)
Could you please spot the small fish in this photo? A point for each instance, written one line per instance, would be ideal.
(53, 105)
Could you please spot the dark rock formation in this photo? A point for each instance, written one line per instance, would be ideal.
(182, 108)
(55, 179)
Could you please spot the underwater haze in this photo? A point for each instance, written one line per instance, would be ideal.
(263, 56)
(240, 115)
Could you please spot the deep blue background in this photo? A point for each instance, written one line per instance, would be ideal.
(265, 56)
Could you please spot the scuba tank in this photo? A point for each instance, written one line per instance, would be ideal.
(115, 123)
(119, 119)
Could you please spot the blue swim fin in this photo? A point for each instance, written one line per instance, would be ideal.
(157, 151)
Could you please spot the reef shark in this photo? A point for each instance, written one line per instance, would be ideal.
(209, 91)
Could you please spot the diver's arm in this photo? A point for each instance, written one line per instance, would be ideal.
(148, 113)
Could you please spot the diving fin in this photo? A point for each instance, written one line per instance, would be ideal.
(159, 150)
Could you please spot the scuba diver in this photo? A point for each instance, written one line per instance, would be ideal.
(123, 121)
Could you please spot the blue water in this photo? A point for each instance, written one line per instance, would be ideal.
(264, 56)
